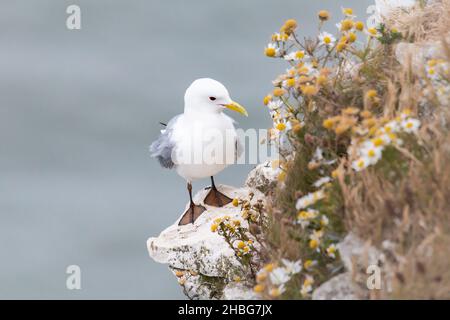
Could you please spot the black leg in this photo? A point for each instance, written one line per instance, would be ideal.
(192, 205)
(193, 212)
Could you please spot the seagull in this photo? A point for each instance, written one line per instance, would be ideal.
(187, 140)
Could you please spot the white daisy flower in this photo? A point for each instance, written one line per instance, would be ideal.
(371, 152)
(324, 221)
(391, 127)
(294, 56)
(331, 251)
(292, 267)
(272, 50)
(360, 164)
(280, 37)
(320, 182)
(410, 125)
(275, 104)
(307, 285)
(327, 39)
(304, 217)
(309, 199)
(279, 276)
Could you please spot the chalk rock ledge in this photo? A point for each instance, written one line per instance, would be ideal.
(201, 259)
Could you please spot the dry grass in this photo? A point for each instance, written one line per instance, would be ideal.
(422, 23)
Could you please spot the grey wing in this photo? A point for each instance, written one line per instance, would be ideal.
(162, 147)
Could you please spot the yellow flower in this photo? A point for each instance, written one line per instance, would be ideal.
(308, 281)
(269, 267)
(179, 273)
(308, 264)
(300, 54)
(313, 244)
(237, 279)
(214, 227)
(281, 126)
(360, 164)
(309, 90)
(280, 37)
(261, 276)
(372, 31)
(267, 99)
(377, 142)
(350, 111)
(241, 245)
(432, 63)
(347, 11)
(346, 24)
(335, 173)
(303, 215)
(351, 37)
(370, 122)
(371, 94)
(275, 292)
(341, 128)
(359, 25)
(282, 176)
(235, 202)
(296, 125)
(321, 80)
(289, 26)
(270, 52)
(328, 123)
(341, 46)
(331, 250)
(236, 223)
(366, 114)
(278, 92)
(304, 79)
(259, 288)
(406, 112)
(324, 15)
(290, 82)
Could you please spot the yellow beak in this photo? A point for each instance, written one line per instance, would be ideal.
(237, 107)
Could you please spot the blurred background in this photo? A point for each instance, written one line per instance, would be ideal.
(78, 110)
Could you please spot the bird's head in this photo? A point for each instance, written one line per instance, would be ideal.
(209, 96)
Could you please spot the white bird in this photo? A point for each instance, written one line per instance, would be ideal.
(200, 142)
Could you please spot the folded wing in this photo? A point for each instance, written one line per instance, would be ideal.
(162, 147)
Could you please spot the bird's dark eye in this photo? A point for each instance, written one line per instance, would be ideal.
(212, 98)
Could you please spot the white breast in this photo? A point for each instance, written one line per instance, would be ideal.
(204, 145)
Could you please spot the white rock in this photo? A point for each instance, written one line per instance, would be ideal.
(194, 247)
(340, 287)
(238, 291)
(263, 177)
(353, 250)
